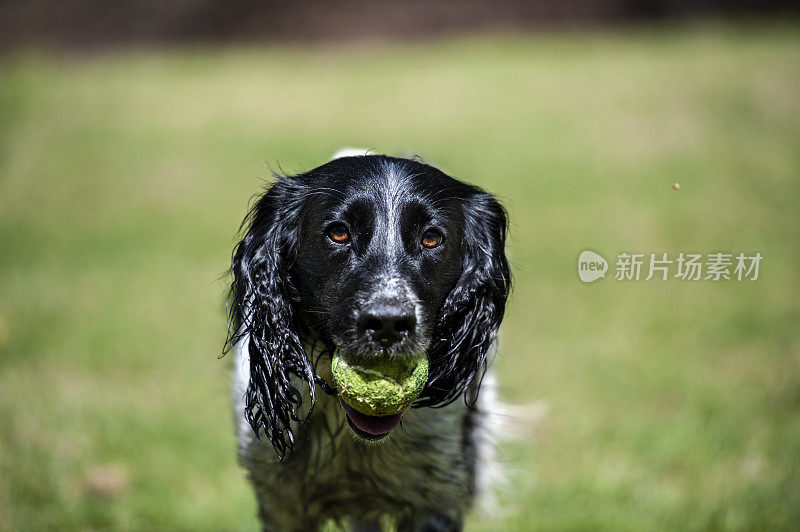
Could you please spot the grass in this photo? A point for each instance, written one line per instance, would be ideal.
(666, 405)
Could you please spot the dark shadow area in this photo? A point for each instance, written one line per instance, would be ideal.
(90, 23)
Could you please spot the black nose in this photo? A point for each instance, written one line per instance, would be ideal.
(387, 324)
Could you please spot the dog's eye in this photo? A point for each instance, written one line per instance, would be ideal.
(339, 233)
(432, 238)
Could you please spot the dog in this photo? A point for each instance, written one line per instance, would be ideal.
(383, 257)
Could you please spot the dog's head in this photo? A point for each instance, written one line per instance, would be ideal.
(376, 255)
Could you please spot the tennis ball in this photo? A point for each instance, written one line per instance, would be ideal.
(381, 387)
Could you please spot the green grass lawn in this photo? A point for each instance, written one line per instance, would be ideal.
(664, 404)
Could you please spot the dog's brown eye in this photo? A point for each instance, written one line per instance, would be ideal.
(432, 238)
(339, 234)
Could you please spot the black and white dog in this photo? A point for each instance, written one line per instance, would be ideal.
(382, 256)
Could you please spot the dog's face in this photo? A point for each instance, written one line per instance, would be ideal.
(376, 256)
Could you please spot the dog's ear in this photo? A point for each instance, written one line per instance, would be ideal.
(262, 313)
(472, 312)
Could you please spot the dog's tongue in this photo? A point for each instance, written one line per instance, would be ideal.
(375, 425)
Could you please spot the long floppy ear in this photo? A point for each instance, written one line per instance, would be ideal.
(472, 312)
(262, 313)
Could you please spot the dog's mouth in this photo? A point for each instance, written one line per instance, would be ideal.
(371, 428)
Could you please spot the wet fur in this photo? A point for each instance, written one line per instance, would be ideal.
(305, 464)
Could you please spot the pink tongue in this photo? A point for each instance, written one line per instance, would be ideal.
(375, 425)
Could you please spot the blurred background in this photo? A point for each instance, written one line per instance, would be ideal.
(134, 134)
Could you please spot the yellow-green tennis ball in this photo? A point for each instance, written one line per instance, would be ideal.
(381, 387)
